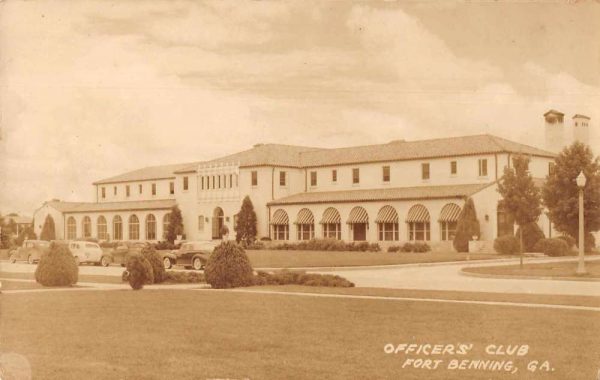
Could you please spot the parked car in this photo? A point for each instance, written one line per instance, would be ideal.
(88, 252)
(192, 254)
(31, 251)
(121, 253)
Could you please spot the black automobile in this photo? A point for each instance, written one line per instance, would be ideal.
(191, 254)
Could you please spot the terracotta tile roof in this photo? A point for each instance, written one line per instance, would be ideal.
(71, 207)
(145, 174)
(388, 194)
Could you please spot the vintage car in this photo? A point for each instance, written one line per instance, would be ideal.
(88, 252)
(121, 253)
(31, 251)
(192, 254)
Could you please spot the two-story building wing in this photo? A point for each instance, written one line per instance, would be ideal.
(387, 193)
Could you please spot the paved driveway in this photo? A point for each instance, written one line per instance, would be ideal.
(448, 277)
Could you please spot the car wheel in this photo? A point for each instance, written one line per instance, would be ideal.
(13, 259)
(30, 259)
(167, 263)
(77, 262)
(197, 263)
(104, 261)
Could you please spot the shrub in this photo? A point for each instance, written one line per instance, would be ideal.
(57, 267)
(531, 234)
(139, 271)
(394, 248)
(466, 227)
(421, 247)
(553, 247)
(228, 267)
(507, 245)
(245, 229)
(48, 230)
(568, 239)
(155, 260)
(255, 245)
(177, 277)
(286, 277)
(265, 238)
(329, 245)
(408, 247)
(589, 242)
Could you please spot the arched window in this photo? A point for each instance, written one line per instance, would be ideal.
(418, 221)
(387, 224)
(305, 223)
(281, 225)
(117, 228)
(332, 224)
(448, 221)
(150, 227)
(86, 226)
(71, 228)
(166, 220)
(102, 229)
(134, 228)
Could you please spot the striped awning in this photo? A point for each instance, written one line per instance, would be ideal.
(358, 215)
(450, 213)
(305, 216)
(280, 217)
(387, 214)
(331, 216)
(417, 213)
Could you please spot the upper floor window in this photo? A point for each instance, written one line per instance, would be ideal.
(153, 189)
(140, 188)
(355, 175)
(313, 178)
(171, 188)
(254, 178)
(282, 179)
(425, 170)
(230, 181)
(219, 181)
(103, 192)
(334, 175)
(386, 174)
(115, 190)
(127, 190)
(186, 183)
(483, 169)
(551, 167)
(453, 167)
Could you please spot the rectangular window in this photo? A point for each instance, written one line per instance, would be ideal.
(483, 167)
(306, 231)
(230, 181)
(115, 190)
(185, 183)
(332, 231)
(200, 222)
(103, 192)
(171, 188)
(387, 231)
(551, 168)
(140, 187)
(453, 168)
(282, 178)
(281, 232)
(219, 182)
(202, 183)
(448, 230)
(355, 175)
(334, 175)
(213, 182)
(153, 189)
(419, 231)
(127, 190)
(313, 178)
(425, 170)
(386, 174)
(254, 178)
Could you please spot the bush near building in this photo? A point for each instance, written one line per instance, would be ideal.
(329, 245)
(155, 260)
(532, 233)
(57, 267)
(507, 245)
(48, 229)
(139, 272)
(466, 227)
(569, 240)
(228, 267)
(245, 228)
(418, 247)
(553, 247)
(285, 277)
(175, 227)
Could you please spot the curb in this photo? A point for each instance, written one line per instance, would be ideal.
(516, 277)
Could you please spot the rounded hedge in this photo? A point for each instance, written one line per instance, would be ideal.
(139, 272)
(507, 245)
(532, 233)
(155, 260)
(57, 267)
(553, 247)
(228, 267)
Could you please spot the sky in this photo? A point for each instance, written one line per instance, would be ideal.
(92, 89)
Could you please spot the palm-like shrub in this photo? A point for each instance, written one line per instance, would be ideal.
(155, 260)
(466, 227)
(532, 233)
(228, 267)
(57, 267)
(139, 272)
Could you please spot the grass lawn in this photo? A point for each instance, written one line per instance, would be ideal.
(13, 285)
(82, 277)
(174, 334)
(296, 259)
(561, 270)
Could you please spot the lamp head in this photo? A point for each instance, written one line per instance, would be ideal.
(581, 180)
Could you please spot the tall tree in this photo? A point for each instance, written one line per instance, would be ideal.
(245, 230)
(175, 224)
(466, 227)
(522, 198)
(48, 229)
(561, 194)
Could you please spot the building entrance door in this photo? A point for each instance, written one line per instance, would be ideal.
(217, 223)
(359, 231)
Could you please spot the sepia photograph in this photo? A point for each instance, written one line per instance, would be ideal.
(299, 189)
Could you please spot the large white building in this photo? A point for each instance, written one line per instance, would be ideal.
(388, 193)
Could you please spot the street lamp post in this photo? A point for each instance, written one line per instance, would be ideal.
(581, 264)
